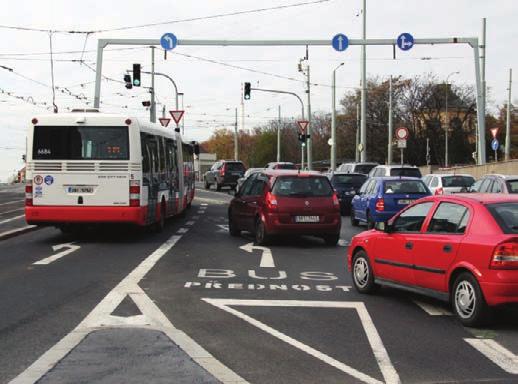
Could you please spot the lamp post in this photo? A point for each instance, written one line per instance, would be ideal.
(447, 122)
(333, 120)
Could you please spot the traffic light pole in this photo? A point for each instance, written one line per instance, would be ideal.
(284, 93)
(171, 80)
(152, 110)
(473, 42)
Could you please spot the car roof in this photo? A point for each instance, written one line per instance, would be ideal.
(482, 198)
(505, 177)
(348, 174)
(394, 178)
(290, 172)
(361, 163)
(396, 166)
(449, 174)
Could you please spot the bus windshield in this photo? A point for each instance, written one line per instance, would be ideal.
(80, 143)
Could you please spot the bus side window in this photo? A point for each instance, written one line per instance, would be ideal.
(171, 162)
(146, 161)
(162, 160)
(151, 143)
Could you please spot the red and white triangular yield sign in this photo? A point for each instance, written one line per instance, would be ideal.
(177, 115)
(164, 121)
(303, 124)
(494, 132)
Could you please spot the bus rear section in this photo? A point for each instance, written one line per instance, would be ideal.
(83, 171)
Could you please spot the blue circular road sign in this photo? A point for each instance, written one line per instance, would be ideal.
(405, 41)
(168, 41)
(495, 144)
(340, 42)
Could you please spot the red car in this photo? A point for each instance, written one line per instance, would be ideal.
(462, 248)
(274, 202)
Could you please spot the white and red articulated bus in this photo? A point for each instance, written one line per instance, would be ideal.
(88, 167)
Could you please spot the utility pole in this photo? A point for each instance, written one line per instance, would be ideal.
(309, 139)
(152, 110)
(508, 119)
(163, 111)
(363, 129)
(242, 109)
(279, 137)
(447, 121)
(481, 141)
(183, 120)
(390, 126)
(333, 118)
(236, 150)
(356, 150)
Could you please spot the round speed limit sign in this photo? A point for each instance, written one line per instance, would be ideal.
(402, 133)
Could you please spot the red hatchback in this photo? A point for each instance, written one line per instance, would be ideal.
(275, 202)
(462, 248)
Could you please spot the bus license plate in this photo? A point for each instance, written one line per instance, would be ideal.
(307, 219)
(405, 202)
(80, 189)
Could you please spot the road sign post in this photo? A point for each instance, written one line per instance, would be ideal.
(494, 146)
(401, 136)
(303, 125)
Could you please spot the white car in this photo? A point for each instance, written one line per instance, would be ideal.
(447, 183)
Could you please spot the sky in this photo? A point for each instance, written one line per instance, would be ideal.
(211, 77)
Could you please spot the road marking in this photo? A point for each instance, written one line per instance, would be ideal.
(70, 248)
(200, 212)
(222, 228)
(433, 310)
(151, 318)
(204, 204)
(190, 223)
(14, 231)
(182, 230)
(11, 219)
(387, 369)
(343, 243)
(195, 217)
(14, 210)
(498, 354)
(266, 257)
(12, 202)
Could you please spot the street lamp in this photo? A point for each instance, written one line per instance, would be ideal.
(333, 120)
(447, 121)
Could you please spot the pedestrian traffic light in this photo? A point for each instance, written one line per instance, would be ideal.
(127, 80)
(247, 91)
(136, 75)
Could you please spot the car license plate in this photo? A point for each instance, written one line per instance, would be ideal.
(307, 219)
(80, 189)
(405, 201)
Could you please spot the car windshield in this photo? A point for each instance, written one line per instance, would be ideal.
(294, 186)
(408, 172)
(506, 215)
(363, 168)
(80, 143)
(512, 186)
(458, 181)
(349, 180)
(397, 187)
(235, 167)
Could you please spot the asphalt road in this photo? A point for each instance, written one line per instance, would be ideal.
(192, 304)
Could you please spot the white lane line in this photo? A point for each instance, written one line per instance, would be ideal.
(100, 317)
(11, 219)
(200, 212)
(380, 353)
(266, 257)
(195, 217)
(204, 204)
(433, 310)
(14, 231)
(12, 202)
(190, 223)
(70, 247)
(11, 211)
(498, 354)
(343, 243)
(182, 231)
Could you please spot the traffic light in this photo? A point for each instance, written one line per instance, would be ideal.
(302, 137)
(247, 91)
(127, 80)
(146, 103)
(136, 75)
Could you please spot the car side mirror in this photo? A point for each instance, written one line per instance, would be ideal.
(383, 226)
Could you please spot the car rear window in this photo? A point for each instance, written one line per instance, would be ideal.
(398, 187)
(512, 186)
(234, 166)
(363, 168)
(506, 215)
(353, 180)
(408, 172)
(285, 166)
(80, 143)
(295, 186)
(458, 181)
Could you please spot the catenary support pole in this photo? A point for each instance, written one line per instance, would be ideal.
(508, 118)
(333, 119)
(309, 141)
(236, 154)
(483, 72)
(356, 150)
(152, 109)
(480, 111)
(363, 127)
(279, 136)
(390, 126)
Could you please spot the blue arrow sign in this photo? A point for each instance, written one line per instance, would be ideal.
(495, 144)
(340, 42)
(168, 41)
(405, 41)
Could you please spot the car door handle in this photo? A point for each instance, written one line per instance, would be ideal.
(447, 248)
(409, 245)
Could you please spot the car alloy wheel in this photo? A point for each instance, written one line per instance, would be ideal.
(465, 299)
(361, 272)
(468, 302)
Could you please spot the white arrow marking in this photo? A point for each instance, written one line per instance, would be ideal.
(71, 248)
(169, 40)
(266, 258)
(223, 228)
(499, 355)
(340, 40)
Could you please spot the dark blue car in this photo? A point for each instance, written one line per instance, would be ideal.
(346, 185)
(380, 198)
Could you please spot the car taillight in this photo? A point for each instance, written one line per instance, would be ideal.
(439, 191)
(335, 200)
(505, 256)
(380, 204)
(271, 202)
(28, 193)
(134, 193)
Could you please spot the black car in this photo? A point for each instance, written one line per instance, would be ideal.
(347, 185)
(224, 173)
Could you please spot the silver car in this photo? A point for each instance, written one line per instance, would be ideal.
(447, 183)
